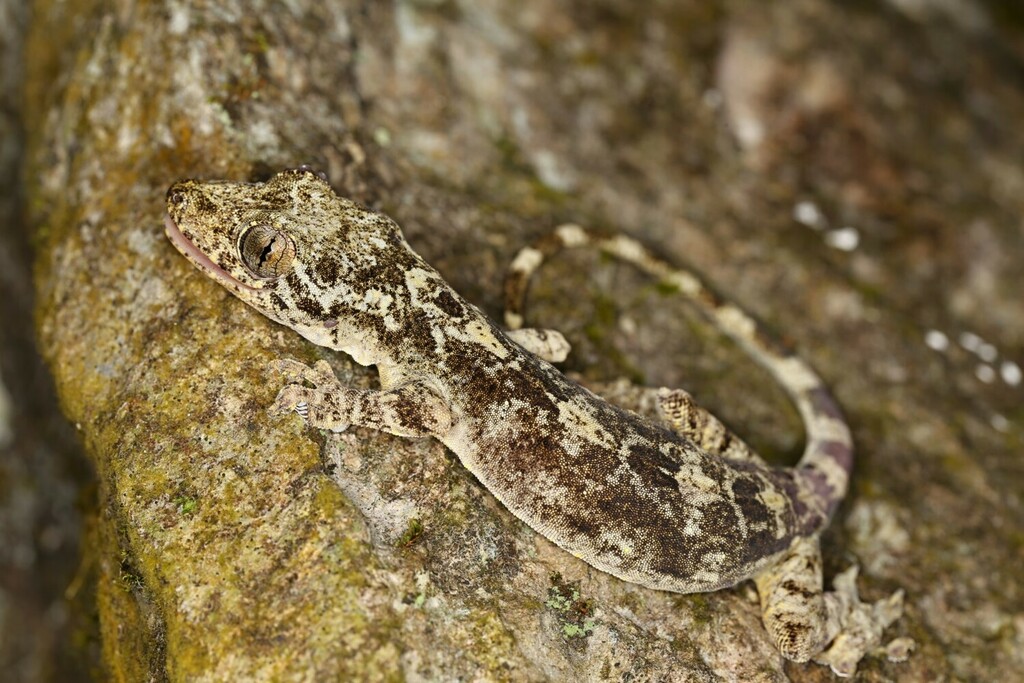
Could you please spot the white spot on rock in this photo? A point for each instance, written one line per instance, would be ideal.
(843, 239)
(987, 353)
(382, 136)
(1011, 373)
(985, 373)
(970, 341)
(807, 213)
(552, 172)
(936, 340)
(179, 20)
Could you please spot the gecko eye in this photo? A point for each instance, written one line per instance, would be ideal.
(266, 252)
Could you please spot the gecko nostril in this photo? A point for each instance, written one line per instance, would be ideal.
(175, 197)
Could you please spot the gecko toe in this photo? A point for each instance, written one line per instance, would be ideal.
(292, 370)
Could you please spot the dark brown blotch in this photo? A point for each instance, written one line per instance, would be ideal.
(653, 467)
(793, 633)
(310, 306)
(204, 205)
(793, 588)
(449, 304)
(410, 415)
(277, 302)
(327, 271)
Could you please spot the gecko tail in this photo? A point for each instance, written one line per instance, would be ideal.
(827, 461)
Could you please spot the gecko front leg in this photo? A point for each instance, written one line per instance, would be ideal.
(409, 409)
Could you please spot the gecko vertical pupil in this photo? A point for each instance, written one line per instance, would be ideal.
(266, 251)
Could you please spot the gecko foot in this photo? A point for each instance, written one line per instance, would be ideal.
(308, 402)
(833, 628)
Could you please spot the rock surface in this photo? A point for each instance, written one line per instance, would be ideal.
(850, 172)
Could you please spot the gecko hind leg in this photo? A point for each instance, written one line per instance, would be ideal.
(700, 426)
(548, 345)
(804, 621)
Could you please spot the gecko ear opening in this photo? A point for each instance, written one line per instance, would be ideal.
(267, 252)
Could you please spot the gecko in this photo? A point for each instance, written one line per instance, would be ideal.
(681, 504)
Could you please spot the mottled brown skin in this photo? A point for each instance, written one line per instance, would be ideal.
(685, 510)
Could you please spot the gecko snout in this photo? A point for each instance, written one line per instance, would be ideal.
(176, 194)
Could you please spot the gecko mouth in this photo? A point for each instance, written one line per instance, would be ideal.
(193, 254)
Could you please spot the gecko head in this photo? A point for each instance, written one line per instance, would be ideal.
(289, 247)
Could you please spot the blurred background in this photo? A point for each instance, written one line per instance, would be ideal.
(47, 621)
